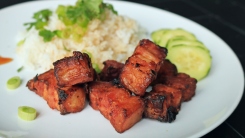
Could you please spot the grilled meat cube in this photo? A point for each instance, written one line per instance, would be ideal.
(116, 104)
(142, 67)
(162, 103)
(183, 82)
(45, 85)
(111, 70)
(137, 75)
(126, 113)
(66, 100)
(96, 89)
(71, 99)
(175, 94)
(167, 69)
(73, 70)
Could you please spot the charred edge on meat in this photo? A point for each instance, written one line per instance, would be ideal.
(165, 49)
(171, 114)
(80, 56)
(161, 119)
(35, 78)
(62, 96)
(116, 81)
(137, 65)
(153, 72)
(125, 113)
(142, 42)
(89, 61)
(86, 89)
(158, 102)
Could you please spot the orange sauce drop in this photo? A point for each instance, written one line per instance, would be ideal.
(4, 60)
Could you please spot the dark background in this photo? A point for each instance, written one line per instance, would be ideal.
(226, 18)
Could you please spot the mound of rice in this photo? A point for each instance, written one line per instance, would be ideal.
(114, 38)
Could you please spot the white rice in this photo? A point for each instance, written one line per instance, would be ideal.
(114, 38)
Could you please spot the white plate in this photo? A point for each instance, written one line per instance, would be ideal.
(216, 96)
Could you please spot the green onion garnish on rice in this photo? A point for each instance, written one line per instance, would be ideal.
(75, 17)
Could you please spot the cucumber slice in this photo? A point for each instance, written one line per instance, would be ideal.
(194, 61)
(182, 41)
(167, 35)
(157, 35)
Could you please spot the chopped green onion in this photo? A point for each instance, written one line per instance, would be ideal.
(58, 33)
(21, 42)
(75, 17)
(96, 67)
(27, 113)
(47, 35)
(20, 69)
(40, 25)
(13, 82)
(66, 49)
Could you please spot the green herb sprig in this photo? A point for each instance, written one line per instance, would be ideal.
(75, 17)
(41, 19)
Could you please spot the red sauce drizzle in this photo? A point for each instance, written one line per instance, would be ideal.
(4, 60)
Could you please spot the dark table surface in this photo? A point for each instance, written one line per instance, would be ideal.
(226, 18)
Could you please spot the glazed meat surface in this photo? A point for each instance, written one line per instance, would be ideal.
(95, 89)
(183, 82)
(142, 67)
(73, 70)
(45, 85)
(71, 99)
(67, 99)
(111, 70)
(162, 103)
(167, 69)
(116, 104)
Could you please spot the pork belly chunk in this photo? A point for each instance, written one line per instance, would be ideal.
(162, 103)
(95, 90)
(76, 69)
(111, 70)
(142, 67)
(116, 104)
(71, 99)
(167, 69)
(45, 85)
(66, 99)
(183, 82)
